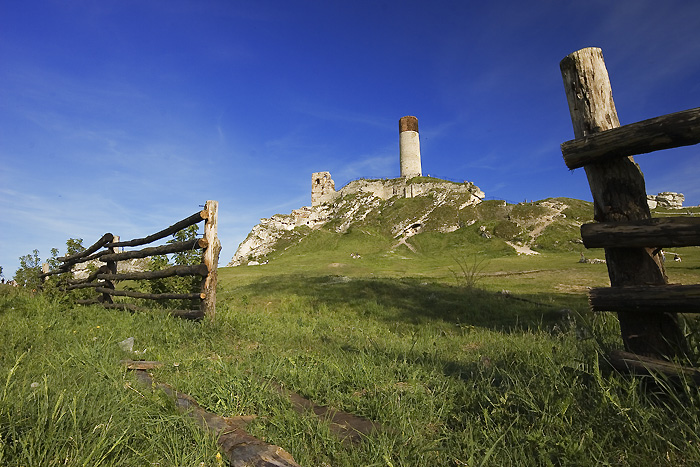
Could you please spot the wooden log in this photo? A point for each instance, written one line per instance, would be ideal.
(60, 270)
(85, 285)
(94, 275)
(106, 238)
(141, 364)
(656, 232)
(646, 299)
(665, 132)
(187, 314)
(627, 361)
(191, 220)
(184, 314)
(93, 256)
(194, 270)
(619, 194)
(157, 250)
(240, 448)
(149, 296)
(349, 428)
(92, 301)
(211, 259)
(124, 307)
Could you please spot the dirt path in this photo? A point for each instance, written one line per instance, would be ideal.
(523, 249)
(546, 220)
(542, 223)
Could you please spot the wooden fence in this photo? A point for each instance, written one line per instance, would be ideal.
(104, 278)
(647, 305)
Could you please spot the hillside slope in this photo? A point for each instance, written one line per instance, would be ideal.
(418, 216)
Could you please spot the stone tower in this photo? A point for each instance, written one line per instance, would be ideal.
(409, 147)
(322, 188)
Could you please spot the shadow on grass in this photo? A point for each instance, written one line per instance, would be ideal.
(413, 301)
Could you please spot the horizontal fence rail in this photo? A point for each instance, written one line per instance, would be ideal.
(183, 224)
(656, 232)
(103, 279)
(666, 132)
(646, 298)
(194, 270)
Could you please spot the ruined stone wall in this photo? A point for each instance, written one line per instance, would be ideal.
(322, 188)
(386, 189)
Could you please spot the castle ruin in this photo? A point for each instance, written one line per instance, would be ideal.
(322, 188)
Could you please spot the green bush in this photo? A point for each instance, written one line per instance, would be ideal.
(507, 230)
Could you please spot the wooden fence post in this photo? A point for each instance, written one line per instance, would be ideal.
(619, 194)
(210, 259)
(112, 268)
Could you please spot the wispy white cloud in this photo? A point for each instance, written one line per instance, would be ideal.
(382, 163)
(323, 111)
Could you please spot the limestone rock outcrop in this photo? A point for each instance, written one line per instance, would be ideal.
(261, 240)
(352, 204)
(667, 199)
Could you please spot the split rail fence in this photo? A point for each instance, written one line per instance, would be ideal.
(646, 304)
(104, 278)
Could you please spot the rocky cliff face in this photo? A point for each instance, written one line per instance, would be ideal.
(339, 210)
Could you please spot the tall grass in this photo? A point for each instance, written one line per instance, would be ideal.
(66, 400)
(455, 375)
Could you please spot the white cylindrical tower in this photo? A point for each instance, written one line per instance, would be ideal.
(409, 147)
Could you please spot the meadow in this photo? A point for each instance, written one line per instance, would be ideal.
(470, 357)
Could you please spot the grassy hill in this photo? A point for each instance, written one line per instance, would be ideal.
(463, 351)
(434, 225)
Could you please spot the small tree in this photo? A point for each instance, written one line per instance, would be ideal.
(29, 269)
(52, 283)
(74, 245)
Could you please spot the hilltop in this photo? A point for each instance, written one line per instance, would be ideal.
(417, 216)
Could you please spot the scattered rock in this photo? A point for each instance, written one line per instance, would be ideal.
(127, 345)
(484, 233)
(666, 199)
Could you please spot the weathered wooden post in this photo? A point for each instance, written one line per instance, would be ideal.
(211, 259)
(619, 194)
(112, 269)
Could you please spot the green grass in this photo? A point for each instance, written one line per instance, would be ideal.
(66, 400)
(457, 375)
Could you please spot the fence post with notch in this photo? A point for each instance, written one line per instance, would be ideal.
(619, 195)
(210, 258)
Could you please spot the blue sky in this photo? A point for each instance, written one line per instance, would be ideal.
(126, 116)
